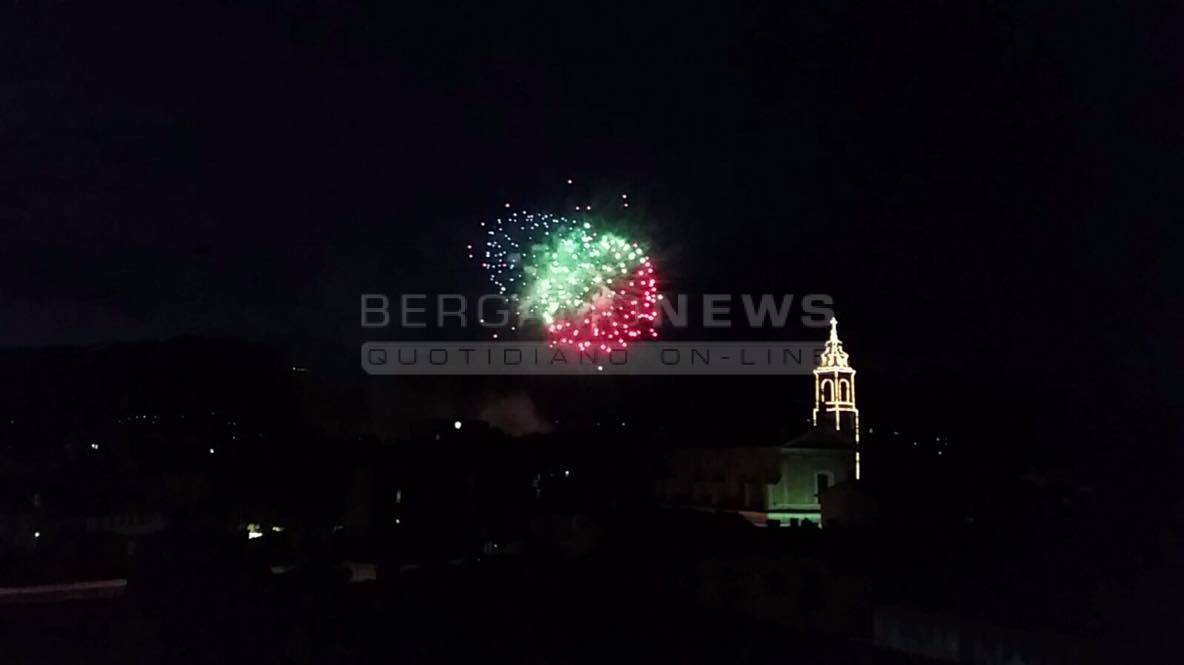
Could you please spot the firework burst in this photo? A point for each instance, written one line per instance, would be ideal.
(591, 287)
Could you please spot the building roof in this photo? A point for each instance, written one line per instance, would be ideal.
(824, 438)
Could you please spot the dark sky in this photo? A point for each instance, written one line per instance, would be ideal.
(991, 191)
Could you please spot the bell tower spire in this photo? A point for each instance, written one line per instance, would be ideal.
(834, 391)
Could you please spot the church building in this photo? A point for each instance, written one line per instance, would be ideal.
(782, 484)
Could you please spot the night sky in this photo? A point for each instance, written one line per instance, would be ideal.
(991, 191)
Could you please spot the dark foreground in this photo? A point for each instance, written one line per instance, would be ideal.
(489, 613)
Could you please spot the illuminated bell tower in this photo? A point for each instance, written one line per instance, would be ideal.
(834, 391)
